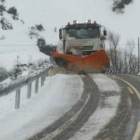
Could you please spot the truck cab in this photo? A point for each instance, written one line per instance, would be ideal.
(82, 38)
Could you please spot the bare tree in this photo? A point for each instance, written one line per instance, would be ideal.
(134, 65)
(122, 60)
(113, 39)
(120, 63)
(130, 46)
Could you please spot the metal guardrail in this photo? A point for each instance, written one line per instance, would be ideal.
(25, 82)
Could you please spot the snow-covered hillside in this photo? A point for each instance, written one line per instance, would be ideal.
(56, 13)
(41, 110)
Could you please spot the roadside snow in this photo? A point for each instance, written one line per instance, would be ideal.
(17, 42)
(54, 99)
(104, 113)
(138, 73)
(26, 54)
(104, 83)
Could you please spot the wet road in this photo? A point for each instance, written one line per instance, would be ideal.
(63, 129)
(132, 84)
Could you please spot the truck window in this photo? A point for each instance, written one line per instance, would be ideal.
(84, 33)
(72, 33)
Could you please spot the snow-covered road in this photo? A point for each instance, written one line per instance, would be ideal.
(105, 111)
(55, 98)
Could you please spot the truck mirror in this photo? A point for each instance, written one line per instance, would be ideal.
(60, 34)
(105, 33)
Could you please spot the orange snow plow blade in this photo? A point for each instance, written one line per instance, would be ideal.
(95, 62)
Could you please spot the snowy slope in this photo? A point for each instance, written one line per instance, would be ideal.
(18, 43)
(56, 13)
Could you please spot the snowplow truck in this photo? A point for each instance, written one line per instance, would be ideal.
(83, 47)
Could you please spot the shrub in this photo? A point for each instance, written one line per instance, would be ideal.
(3, 73)
(2, 9)
(127, 1)
(6, 25)
(16, 70)
(2, 1)
(13, 12)
(40, 27)
(41, 42)
(15, 73)
(34, 31)
(119, 5)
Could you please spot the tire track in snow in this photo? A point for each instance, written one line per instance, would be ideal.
(106, 110)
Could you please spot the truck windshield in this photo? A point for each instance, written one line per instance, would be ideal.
(84, 33)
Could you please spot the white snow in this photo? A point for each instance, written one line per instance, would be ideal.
(8, 55)
(54, 99)
(138, 73)
(104, 83)
(56, 13)
(103, 114)
(17, 43)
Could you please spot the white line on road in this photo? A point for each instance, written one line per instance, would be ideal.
(130, 90)
(134, 89)
(137, 133)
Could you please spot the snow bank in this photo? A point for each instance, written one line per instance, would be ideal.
(26, 54)
(17, 42)
(54, 99)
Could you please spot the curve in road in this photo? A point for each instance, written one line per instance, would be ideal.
(132, 131)
(66, 129)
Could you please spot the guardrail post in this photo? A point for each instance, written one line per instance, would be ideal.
(17, 99)
(28, 82)
(42, 80)
(29, 90)
(46, 75)
(36, 85)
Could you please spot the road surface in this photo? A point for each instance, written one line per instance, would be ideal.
(132, 84)
(128, 129)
